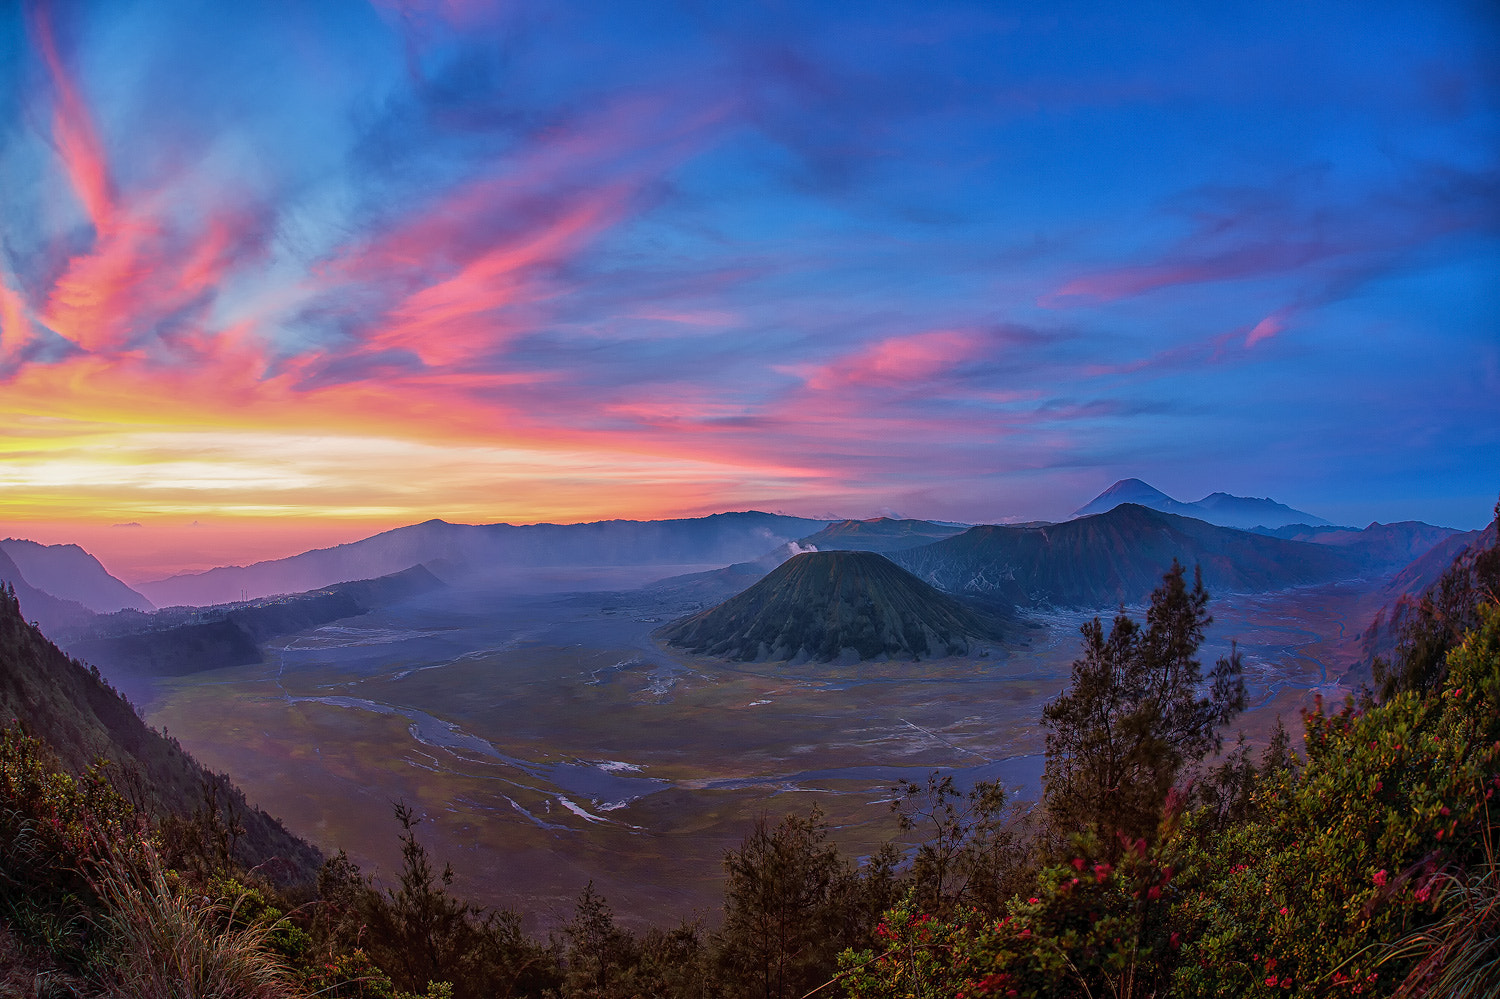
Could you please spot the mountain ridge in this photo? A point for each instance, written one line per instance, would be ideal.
(68, 572)
(1106, 559)
(723, 538)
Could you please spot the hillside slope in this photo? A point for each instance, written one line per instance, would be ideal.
(84, 719)
(823, 605)
(50, 612)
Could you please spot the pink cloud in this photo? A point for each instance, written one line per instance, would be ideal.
(1190, 268)
(450, 320)
(15, 326)
(898, 361)
(73, 129)
(1268, 327)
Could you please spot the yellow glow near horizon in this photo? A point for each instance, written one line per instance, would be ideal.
(266, 493)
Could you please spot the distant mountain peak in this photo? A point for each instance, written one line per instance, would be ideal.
(1132, 488)
(71, 574)
(1220, 508)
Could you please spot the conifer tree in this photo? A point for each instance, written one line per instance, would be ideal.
(1134, 716)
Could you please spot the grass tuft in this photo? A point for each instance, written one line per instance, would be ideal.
(166, 942)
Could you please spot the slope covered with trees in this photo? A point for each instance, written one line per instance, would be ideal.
(74, 711)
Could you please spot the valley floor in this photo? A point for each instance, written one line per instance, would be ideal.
(548, 740)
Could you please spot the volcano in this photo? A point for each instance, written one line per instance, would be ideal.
(835, 605)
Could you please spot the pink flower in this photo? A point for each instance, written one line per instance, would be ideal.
(1380, 878)
(1283, 910)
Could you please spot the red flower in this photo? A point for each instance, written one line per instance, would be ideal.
(1380, 878)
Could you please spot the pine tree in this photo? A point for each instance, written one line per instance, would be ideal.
(1133, 718)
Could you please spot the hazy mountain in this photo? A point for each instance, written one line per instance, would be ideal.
(1423, 571)
(70, 573)
(1381, 546)
(465, 549)
(714, 585)
(1118, 556)
(46, 610)
(882, 534)
(83, 720)
(824, 605)
(180, 640)
(1407, 588)
(1215, 508)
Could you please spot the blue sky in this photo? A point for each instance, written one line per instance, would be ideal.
(353, 264)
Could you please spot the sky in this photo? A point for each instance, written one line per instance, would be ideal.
(276, 275)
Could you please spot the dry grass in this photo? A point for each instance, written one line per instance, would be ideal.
(167, 943)
(1458, 955)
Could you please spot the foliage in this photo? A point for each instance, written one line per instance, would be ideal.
(603, 960)
(788, 897)
(1437, 622)
(968, 855)
(1350, 848)
(1093, 928)
(1133, 717)
(53, 828)
(421, 933)
(1458, 954)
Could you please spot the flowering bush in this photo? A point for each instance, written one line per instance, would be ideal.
(1345, 860)
(1093, 927)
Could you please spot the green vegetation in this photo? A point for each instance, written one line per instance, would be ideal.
(1365, 865)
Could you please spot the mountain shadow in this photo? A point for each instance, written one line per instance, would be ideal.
(826, 605)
